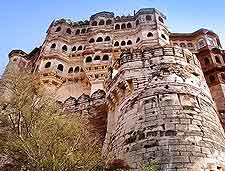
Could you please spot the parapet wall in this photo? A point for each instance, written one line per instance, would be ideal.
(93, 107)
(160, 108)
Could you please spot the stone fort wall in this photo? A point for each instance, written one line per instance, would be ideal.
(160, 108)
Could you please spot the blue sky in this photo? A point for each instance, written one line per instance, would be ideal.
(24, 22)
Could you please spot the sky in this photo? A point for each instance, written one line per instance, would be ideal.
(24, 22)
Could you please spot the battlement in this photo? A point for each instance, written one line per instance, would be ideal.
(148, 92)
(108, 15)
(93, 107)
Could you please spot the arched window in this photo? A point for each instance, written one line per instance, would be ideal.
(83, 31)
(182, 45)
(92, 40)
(94, 23)
(79, 48)
(137, 23)
(53, 46)
(129, 25)
(77, 69)
(117, 27)
(88, 59)
(206, 60)
(68, 31)
(163, 36)
(149, 34)
(129, 42)
(138, 39)
(64, 48)
(99, 39)
(148, 17)
(123, 43)
(217, 60)
(70, 70)
(105, 58)
(88, 30)
(74, 49)
(48, 65)
(201, 43)
(223, 76)
(123, 26)
(212, 79)
(161, 19)
(107, 38)
(190, 45)
(97, 58)
(77, 32)
(101, 22)
(108, 22)
(60, 67)
(116, 43)
(58, 29)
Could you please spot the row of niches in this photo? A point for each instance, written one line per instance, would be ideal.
(66, 48)
(99, 94)
(131, 24)
(202, 42)
(215, 78)
(117, 26)
(97, 59)
(213, 60)
(68, 31)
(60, 67)
(184, 45)
(106, 39)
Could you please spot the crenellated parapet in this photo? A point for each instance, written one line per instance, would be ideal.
(93, 107)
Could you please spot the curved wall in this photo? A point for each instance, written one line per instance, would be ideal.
(167, 113)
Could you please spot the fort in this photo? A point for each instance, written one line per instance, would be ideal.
(151, 94)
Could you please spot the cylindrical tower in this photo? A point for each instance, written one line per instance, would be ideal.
(160, 108)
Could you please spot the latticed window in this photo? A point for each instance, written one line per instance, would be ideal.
(108, 22)
(129, 25)
(206, 60)
(58, 29)
(60, 67)
(149, 34)
(70, 70)
(217, 60)
(148, 18)
(99, 39)
(53, 46)
(64, 48)
(105, 58)
(68, 31)
(116, 43)
(88, 59)
(94, 23)
(48, 65)
(129, 42)
(107, 38)
(102, 22)
(117, 27)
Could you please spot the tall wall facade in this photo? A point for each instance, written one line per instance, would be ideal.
(161, 108)
(150, 93)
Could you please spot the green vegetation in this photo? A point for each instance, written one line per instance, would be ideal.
(36, 134)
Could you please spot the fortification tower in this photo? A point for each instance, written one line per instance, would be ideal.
(160, 108)
(207, 47)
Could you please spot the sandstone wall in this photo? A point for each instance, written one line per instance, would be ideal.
(160, 108)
